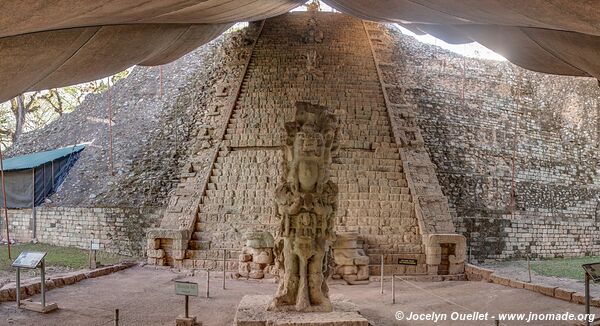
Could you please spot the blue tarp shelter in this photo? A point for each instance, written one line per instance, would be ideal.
(33, 177)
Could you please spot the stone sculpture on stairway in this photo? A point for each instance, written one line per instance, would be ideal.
(306, 202)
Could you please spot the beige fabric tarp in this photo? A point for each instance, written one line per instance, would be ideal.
(45, 44)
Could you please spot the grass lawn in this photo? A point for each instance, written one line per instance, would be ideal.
(563, 267)
(57, 256)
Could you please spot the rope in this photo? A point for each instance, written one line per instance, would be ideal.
(435, 295)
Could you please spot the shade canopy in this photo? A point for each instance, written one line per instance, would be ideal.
(29, 179)
(33, 160)
(46, 44)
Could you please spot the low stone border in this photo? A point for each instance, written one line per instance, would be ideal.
(29, 288)
(421, 278)
(475, 273)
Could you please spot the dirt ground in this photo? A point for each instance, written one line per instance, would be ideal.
(145, 296)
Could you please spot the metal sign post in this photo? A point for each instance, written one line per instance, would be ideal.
(393, 289)
(94, 247)
(592, 272)
(33, 260)
(381, 280)
(187, 289)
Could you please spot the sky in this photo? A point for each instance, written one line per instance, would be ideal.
(471, 50)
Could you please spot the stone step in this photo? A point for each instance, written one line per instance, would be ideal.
(198, 244)
(364, 203)
(213, 254)
(245, 193)
(380, 162)
(196, 235)
(215, 266)
(388, 270)
(407, 249)
(352, 189)
(240, 185)
(392, 259)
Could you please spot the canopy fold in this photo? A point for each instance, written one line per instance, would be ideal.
(46, 44)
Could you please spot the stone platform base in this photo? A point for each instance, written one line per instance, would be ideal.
(252, 311)
(187, 321)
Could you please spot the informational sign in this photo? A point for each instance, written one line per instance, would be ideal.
(593, 270)
(95, 245)
(407, 261)
(29, 259)
(186, 288)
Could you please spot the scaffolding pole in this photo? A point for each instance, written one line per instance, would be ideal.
(110, 134)
(4, 197)
(160, 69)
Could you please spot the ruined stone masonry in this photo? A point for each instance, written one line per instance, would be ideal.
(118, 230)
(168, 243)
(376, 198)
(445, 250)
(479, 119)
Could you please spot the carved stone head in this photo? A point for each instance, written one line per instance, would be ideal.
(308, 143)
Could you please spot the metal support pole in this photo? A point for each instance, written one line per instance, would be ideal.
(208, 283)
(160, 77)
(587, 299)
(43, 283)
(381, 274)
(470, 254)
(5, 208)
(393, 289)
(34, 216)
(116, 317)
(187, 309)
(18, 287)
(33, 197)
(224, 267)
(110, 133)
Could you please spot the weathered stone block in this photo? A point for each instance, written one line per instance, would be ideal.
(563, 294)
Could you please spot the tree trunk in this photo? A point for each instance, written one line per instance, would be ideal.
(19, 117)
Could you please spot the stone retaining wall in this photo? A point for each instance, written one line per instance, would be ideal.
(32, 287)
(475, 273)
(118, 229)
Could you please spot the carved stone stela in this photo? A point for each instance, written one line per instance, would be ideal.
(306, 203)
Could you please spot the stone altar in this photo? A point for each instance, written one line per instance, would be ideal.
(256, 259)
(351, 262)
